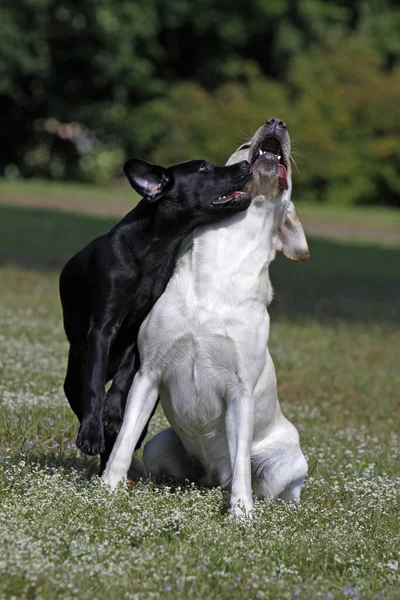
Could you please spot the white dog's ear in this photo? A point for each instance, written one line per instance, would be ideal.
(242, 153)
(292, 239)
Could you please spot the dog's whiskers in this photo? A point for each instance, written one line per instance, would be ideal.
(247, 136)
(294, 162)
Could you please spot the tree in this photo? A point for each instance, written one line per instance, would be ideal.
(84, 83)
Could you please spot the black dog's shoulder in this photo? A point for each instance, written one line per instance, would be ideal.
(106, 255)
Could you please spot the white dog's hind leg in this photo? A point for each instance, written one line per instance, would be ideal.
(280, 473)
(292, 491)
(140, 403)
(165, 456)
(239, 431)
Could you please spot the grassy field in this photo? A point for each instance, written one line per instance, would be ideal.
(335, 343)
(337, 222)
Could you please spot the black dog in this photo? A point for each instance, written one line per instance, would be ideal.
(109, 287)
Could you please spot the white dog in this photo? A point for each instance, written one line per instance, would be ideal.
(203, 349)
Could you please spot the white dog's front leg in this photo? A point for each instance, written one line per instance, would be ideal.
(140, 403)
(239, 430)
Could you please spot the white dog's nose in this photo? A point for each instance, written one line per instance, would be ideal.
(276, 123)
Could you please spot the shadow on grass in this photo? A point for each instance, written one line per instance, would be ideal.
(87, 465)
(45, 239)
(343, 281)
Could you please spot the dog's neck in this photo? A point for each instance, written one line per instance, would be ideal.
(147, 224)
(230, 259)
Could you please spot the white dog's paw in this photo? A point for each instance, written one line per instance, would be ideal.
(241, 511)
(112, 479)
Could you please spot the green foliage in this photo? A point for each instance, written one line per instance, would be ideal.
(346, 115)
(82, 85)
(346, 141)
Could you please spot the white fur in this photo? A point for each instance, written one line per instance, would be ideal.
(203, 349)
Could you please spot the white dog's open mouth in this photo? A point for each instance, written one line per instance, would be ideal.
(270, 149)
(232, 197)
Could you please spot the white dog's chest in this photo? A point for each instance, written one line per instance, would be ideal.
(193, 400)
(209, 332)
(207, 361)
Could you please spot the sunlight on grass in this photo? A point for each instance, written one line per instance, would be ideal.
(334, 340)
(42, 187)
(377, 224)
(64, 534)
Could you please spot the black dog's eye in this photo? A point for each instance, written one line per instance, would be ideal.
(205, 167)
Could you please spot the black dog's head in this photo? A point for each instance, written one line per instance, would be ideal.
(195, 188)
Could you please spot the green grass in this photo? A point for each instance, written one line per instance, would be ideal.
(373, 215)
(356, 224)
(45, 238)
(54, 189)
(377, 216)
(114, 200)
(342, 280)
(335, 343)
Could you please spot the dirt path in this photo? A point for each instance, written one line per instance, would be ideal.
(107, 206)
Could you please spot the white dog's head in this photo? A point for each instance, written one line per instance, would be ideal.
(268, 153)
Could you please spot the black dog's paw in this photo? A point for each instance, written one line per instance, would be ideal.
(91, 438)
(112, 417)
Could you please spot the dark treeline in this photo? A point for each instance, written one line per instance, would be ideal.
(84, 83)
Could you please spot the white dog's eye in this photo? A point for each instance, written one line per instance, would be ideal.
(205, 167)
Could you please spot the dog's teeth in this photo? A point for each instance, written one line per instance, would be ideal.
(279, 157)
(260, 152)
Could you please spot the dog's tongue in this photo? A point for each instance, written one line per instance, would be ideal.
(282, 176)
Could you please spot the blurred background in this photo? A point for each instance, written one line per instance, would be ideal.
(85, 83)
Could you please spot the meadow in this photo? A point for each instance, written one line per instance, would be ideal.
(335, 344)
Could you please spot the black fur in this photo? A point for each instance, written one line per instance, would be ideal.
(109, 287)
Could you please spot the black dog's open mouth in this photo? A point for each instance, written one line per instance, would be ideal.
(233, 197)
(270, 148)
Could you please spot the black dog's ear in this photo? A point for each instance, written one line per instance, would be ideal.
(150, 181)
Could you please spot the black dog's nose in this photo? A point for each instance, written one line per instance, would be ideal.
(244, 165)
(276, 123)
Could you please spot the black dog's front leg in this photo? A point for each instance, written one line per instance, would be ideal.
(117, 394)
(75, 378)
(91, 432)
